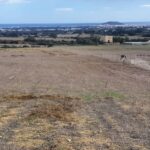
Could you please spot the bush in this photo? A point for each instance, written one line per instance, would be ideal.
(88, 41)
(30, 39)
(9, 46)
(118, 40)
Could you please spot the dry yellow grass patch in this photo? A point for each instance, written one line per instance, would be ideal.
(29, 144)
(113, 122)
(126, 107)
(63, 143)
(48, 115)
(90, 139)
(29, 134)
(140, 147)
(8, 116)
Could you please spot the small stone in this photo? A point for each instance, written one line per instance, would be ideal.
(69, 140)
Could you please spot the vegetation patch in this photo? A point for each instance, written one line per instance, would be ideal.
(30, 135)
(113, 95)
(38, 117)
(54, 112)
(88, 97)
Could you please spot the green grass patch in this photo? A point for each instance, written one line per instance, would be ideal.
(103, 94)
(114, 95)
(88, 97)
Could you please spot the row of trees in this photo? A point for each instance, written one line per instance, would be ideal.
(118, 39)
(76, 41)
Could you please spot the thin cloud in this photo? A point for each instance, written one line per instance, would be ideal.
(64, 9)
(14, 1)
(146, 5)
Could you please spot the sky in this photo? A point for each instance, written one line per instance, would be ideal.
(73, 11)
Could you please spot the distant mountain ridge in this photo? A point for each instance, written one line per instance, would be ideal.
(112, 23)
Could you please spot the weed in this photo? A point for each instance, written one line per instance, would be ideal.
(113, 95)
(88, 97)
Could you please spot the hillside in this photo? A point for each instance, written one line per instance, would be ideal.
(112, 23)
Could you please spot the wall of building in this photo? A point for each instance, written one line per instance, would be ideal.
(107, 39)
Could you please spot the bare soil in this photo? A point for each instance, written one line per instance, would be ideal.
(74, 98)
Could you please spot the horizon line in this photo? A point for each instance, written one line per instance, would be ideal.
(79, 22)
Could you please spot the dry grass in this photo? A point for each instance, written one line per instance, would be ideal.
(112, 113)
(29, 134)
(56, 112)
(36, 117)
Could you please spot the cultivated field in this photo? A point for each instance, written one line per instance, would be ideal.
(75, 98)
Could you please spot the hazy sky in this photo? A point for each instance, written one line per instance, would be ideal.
(73, 11)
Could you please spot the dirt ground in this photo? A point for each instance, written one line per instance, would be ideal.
(74, 98)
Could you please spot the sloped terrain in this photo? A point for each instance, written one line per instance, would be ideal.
(65, 99)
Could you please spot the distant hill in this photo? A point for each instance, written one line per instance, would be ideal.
(112, 23)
